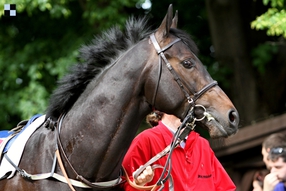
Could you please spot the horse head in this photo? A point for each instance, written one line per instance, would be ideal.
(178, 73)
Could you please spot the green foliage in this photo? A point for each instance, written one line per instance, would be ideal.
(274, 3)
(262, 55)
(274, 20)
(94, 11)
(55, 8)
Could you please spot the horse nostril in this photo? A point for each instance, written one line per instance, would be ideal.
(233, 117)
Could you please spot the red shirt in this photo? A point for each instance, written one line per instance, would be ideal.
(194, 167)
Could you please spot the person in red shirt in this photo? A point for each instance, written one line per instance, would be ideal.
(194, 165)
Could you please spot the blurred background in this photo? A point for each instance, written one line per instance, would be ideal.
(241, 42)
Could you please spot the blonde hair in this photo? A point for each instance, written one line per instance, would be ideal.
(153, 118)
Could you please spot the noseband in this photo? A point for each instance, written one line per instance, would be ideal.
(160, 52)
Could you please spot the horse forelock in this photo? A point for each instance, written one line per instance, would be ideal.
(186, 39)
(95, 58)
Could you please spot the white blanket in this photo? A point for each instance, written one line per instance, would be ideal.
(16, 149)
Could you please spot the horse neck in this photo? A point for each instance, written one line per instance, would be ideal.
(99, 128)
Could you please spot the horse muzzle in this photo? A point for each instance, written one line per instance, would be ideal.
(217, 125)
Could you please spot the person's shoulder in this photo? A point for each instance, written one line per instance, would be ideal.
(203, 144)
(201, 139)
(280, 187)
(148, 133)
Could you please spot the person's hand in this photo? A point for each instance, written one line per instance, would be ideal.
(145, 177)
(270, 182)
(256, 186)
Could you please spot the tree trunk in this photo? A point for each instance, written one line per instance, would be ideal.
(230, 42)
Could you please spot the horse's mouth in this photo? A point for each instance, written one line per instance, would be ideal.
(216, 129)
(213, 122)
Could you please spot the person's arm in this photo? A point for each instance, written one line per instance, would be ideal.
(137, 155)
(222, 180)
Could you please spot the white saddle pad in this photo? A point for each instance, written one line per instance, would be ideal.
(17, 147)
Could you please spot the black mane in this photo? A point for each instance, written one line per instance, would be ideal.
(103, 50)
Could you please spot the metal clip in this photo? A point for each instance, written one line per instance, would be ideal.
(208, 116)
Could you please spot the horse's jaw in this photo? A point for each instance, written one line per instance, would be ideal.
(217, 128)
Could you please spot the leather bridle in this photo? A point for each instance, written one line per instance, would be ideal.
(188, 122)
(191, 99)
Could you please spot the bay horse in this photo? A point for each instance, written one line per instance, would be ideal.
(122, 77)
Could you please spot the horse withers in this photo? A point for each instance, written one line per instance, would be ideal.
(102, 101)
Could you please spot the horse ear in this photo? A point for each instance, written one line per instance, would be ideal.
(163, 30)
(175, 21)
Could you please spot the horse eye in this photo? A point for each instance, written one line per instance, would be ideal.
(189, 63)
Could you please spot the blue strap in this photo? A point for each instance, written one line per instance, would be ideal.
(8, 145)
(5, 133)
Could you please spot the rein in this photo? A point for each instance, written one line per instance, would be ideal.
(98, 185)
(181, 134)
